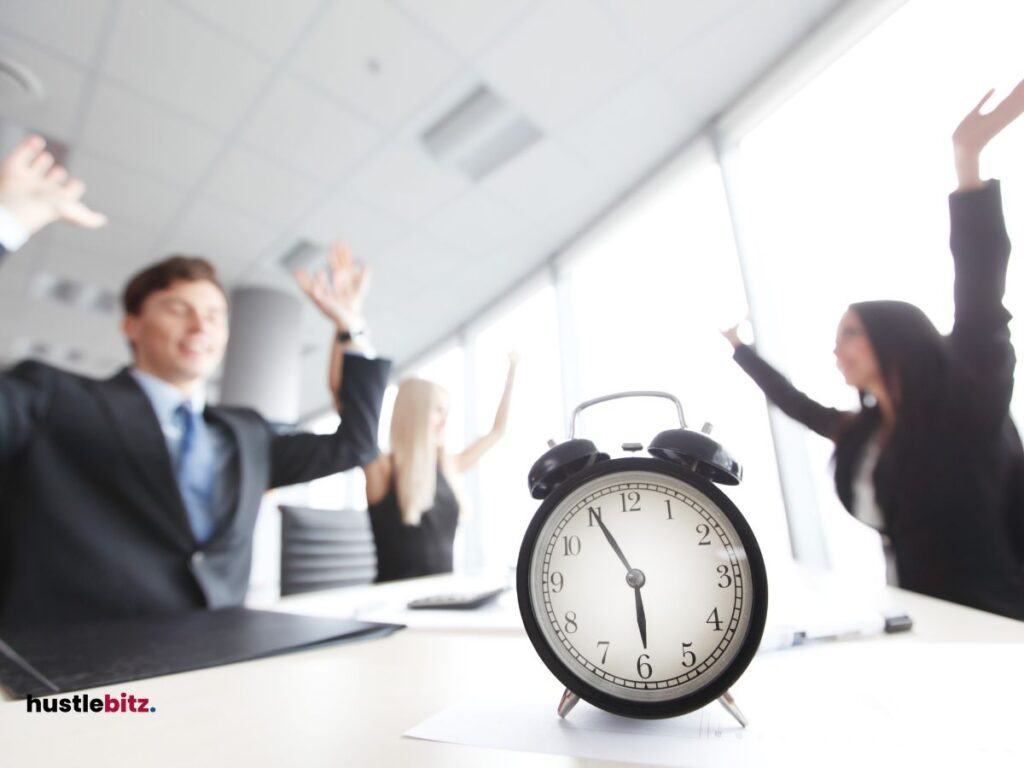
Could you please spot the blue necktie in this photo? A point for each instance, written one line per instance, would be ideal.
(195, 471)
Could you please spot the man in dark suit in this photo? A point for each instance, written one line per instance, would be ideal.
(130, 495)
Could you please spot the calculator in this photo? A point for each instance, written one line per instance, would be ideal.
(461, 601)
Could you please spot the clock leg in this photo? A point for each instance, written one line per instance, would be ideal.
(569, 700)
(727, 701)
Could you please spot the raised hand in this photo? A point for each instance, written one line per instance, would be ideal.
(340, 291)
(976, 130)
(732, 335)
(36, 192)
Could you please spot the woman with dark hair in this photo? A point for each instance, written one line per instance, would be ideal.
(932, 459)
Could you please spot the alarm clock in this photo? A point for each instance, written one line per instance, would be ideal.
(640, 584)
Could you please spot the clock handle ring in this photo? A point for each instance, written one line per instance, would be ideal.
(618, 395)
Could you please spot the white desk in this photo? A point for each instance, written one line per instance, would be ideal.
(348, 705)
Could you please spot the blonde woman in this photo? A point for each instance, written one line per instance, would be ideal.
(414, 508)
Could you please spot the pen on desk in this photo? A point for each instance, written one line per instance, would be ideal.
(779, 638)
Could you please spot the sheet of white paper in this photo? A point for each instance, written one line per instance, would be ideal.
(844, 704)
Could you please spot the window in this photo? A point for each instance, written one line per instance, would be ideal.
(651, 288)
(844, 189)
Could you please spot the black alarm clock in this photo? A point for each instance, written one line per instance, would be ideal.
(641, 585)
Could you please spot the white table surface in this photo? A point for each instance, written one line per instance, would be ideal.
(349, 704)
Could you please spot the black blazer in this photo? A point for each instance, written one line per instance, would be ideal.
(92, 524)
(952, 488)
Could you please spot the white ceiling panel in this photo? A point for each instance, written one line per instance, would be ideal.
(119, 243)
(262, 187)
(627, 134)
(366, 230)
(123, 193)
(372, 57)
(267, 25)
(147, 136)
(477, 223)
(561, 59)
(404, 181)
(213, 79)
(84, 266)
(659, 27)
(71, 28)
(56, 113)
(760, 30)
(309, 131)
(231, 240)
(543, 180)
(467, 25)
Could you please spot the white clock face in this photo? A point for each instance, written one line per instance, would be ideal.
(641, 586)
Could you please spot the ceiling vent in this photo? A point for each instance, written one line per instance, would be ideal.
(305, 254)
(480, 134)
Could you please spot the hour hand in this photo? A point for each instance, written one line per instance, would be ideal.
(641, 617)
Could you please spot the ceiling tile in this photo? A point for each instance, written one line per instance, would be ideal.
(71, 28)
(125, 193)
(658, 27)
(211, 78)
(404, 181)
(261, 187)
(229, 239)
(476, 222)
(563, 58)
(147, 136)
(627, 134)
(543, 181)
(762, 31)
(308, 131)
(375, 59)
(108, 254)
(268, 25)
(467, 25)
(364, 229)
(56, 113)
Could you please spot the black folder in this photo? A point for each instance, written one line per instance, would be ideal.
(40, 661)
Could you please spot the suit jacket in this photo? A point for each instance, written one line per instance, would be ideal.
(92, 524)
(951, 487)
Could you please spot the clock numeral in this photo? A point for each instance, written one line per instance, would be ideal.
(570, 622)
(713, 619)
(726, 581)
(705, 535)
(668, 505)
(572, 545)
(634, 501)
(557, 581)
(689, 657)
(606, 645)
(595, 514)
(643, 668)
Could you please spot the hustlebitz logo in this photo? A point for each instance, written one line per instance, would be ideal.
(128, 703)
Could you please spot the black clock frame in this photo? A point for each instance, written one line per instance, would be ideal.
(759, 608)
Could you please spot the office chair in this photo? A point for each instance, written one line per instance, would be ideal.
(325, 548)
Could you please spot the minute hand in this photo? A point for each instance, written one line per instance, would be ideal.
(614, 544)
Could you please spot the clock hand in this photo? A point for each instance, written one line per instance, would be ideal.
(615, 546)
(641, 617)
(634, 578)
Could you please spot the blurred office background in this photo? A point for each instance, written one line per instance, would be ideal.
(598, 184)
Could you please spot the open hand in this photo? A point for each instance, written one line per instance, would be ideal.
(340, 291)
(976, 130)
(36, 192)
